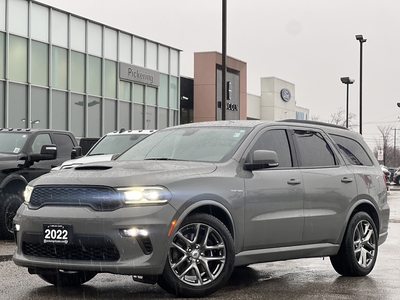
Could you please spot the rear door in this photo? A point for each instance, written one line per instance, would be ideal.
(274, 196)
(329, 186)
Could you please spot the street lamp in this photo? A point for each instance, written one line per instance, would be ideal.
(361, 39)
(347, 81)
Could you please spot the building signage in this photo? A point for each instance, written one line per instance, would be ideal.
(285, 95)
(134, 73)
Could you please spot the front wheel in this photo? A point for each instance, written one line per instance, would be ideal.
(66, 278)
(200, 259)
(358, 252)
(8, 208)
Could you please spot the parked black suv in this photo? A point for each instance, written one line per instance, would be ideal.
(25, 154)
(188, 203)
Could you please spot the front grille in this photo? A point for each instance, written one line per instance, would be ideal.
(99, 198)
(88, 249)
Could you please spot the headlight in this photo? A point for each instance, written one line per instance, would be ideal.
(28, 193)
(145, 195)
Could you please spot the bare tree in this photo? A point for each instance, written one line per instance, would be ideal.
(385, 144)
(339, 118)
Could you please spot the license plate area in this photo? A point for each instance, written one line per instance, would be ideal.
(57, 233)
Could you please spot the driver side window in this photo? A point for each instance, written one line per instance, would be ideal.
(40, 140)
(275, 140)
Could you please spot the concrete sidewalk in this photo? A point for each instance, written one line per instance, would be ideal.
(6, 250)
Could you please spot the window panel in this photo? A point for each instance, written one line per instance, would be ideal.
(59, 68)
(40, 23)
(151, 56)
(138, 93)
(94, 39)
(110, 44)
(64, 145)
(313, 149)
(94, 81)
(39, 108)
(59, 112)
(174, 62)
(174, 92)
(2, 104)
(110, 80)
(163, 91)
(39, 141)
(18, 59)
(151, 96)
(2, 55)
(124, 115)
(94, 117)
(138, 117)
(274, 140)
(125, 90)
(59, 28)
(3, 15)
(138, 52)
(40, 64)
(163, 59)
(78, 32)
(78, 114)
(17, 106)
(110, 122)
(151, 117)
(78, 65)
(18, 17)
(352, 150)
(162, 118)
(125, 48)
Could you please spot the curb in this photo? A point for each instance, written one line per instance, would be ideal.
(7, 249)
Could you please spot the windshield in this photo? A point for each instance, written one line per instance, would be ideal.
(208, 144)
(112, 144)
(12, 142)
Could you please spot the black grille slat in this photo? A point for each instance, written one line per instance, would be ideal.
(99, 198)
(94, 249)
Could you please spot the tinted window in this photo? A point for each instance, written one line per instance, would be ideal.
(352, 150)
(313, 149)
(112, 144)
(275, 140)
(64, 144)
(40, 140)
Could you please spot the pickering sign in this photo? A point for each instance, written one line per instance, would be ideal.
(137, 74)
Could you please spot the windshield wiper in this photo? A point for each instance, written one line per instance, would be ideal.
(161, 158)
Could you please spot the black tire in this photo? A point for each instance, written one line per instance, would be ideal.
(359, 250)
(63, 278)
(8, 208)
(200, 259)
(397, 180)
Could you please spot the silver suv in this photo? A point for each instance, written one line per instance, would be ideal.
(187, 204)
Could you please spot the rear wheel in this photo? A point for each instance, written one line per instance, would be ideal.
(66, 278)
(8, 208)
(200, 259)
(358, 252)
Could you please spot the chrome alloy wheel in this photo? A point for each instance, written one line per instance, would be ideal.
(364, 243)
(197, 254)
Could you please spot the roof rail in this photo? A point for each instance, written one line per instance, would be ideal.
(313, 123)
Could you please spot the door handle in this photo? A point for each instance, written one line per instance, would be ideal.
(347, 180)
(294, 181)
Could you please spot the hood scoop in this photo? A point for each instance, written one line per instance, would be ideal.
(92, 168)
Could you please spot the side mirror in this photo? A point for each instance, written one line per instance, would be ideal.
(263, 159)
(76, 152)
(47, 152)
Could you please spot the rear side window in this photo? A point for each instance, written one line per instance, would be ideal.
(64, 144)
(352, 151)
(314, 151)
(275, 140)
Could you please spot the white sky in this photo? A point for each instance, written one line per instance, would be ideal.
(310, 43)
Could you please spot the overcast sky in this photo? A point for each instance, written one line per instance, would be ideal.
(310, 43)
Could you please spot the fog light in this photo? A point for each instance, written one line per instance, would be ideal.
(17, 227)
(133, 232)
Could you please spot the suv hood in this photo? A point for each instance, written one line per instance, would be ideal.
(127, 173)
(85, 160)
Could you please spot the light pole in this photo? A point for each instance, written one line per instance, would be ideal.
(360, 38)
(347, 81)
(223, 100)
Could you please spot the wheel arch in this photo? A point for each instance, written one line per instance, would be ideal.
(14, 184)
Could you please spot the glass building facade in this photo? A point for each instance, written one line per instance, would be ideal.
(62, 71)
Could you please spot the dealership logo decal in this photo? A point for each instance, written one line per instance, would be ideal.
(285, 95)
(137, 74)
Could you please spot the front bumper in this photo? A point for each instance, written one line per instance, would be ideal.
(96, 244)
